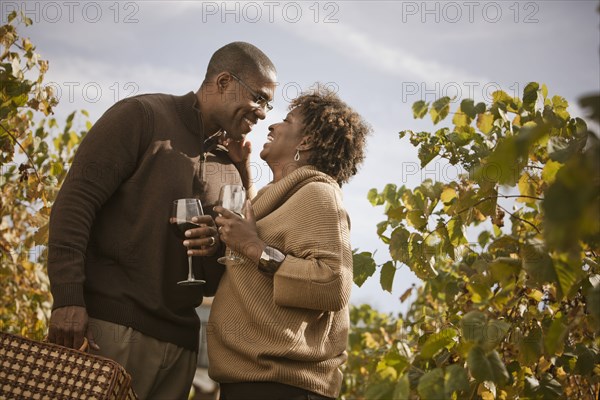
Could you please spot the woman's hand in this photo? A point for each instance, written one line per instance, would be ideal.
(203, 241)
(238, 233)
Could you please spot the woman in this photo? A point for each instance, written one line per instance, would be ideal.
(279, 322)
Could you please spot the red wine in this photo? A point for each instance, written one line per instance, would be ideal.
(181, 226)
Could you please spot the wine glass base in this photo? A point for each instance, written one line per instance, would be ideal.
(193, 282)
(223, 260)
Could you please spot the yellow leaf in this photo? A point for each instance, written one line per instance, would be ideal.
(535, 295)
(485, 122)
(550, 170)
(544, 365)
(517, 120)
(369, 341)
(460, 119)
(561, 374)
(527, 187)
(448, 194)
(27, 265)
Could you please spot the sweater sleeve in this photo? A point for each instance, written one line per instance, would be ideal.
(106, 157)
(317, 273)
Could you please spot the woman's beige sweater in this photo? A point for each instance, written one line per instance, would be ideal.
(291, 328)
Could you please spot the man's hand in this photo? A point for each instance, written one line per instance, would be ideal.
(203, 241)
(68, 327)
(239, 152)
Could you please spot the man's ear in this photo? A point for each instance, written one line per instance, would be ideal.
(223, 80)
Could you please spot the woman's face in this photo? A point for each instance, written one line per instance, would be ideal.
(283, 139)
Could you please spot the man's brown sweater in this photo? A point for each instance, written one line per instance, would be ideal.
(291, 328)
(111, 248)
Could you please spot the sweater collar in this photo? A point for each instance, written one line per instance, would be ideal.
(188, 111)
(274, 195)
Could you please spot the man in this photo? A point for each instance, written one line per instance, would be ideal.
(114, 262)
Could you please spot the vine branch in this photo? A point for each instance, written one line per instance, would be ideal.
(520, 219)
(32, 164)
(505, 196)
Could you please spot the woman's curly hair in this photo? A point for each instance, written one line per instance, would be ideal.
(337, 133)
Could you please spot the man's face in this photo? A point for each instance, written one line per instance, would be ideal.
(243, 104)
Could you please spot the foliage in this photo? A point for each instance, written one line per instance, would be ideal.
(514, 313)
(34, 155)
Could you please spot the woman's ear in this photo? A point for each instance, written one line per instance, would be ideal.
(305, 144)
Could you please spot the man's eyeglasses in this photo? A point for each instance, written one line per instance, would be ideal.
(257, 98)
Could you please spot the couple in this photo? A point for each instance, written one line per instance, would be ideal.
(279, 321)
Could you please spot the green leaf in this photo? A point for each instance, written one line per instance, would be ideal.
(382, 227)
(402, 388)
(431, 385)
(455, 231)
(593, 305)
(530, 96)
(480, 292)
(379, 391)
(494, 334)
(501, 96)
(440, 109)
(505, 269)
(569, 273)
(483, 238)
(486, 367)
(419, 109)
(555, 336)
(538, 264)
(387, 276)
(531, 346)
(480, 108)
(498, 368)
(479, 365)
(416, 218)
(399, 245)
(585, 360)
(456, 381)
(468, 107)
(373, 197)
(398, 361)
(472, 326)
(389, 193)
(487, 207)
(437, 341)
(428, 152)
(395, 214)
(364, 267)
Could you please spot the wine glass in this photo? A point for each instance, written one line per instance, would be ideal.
(233, 198)
(181, 220)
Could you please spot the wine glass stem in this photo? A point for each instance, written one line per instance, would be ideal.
(190, 270)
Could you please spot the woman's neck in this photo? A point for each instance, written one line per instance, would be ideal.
(281, 170)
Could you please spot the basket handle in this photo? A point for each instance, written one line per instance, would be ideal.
(84, 346)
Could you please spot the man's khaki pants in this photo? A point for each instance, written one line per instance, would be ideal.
(159, 370)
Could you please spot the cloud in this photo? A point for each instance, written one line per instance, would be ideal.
(392, 60)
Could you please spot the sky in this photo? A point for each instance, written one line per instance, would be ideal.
(379, 56)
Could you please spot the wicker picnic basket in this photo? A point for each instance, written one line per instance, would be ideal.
(39, 370)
